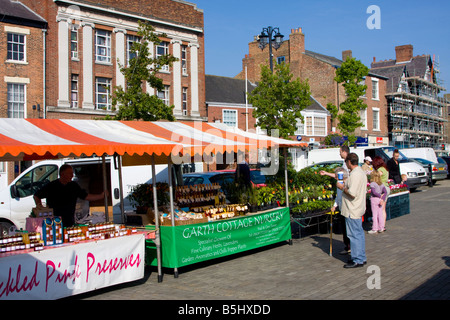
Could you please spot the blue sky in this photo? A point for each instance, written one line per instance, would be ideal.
(329, 26)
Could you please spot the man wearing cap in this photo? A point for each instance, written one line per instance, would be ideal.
(367, 166)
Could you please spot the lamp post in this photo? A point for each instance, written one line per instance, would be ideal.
(272, 37)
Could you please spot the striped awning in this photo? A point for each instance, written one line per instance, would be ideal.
(32, 139)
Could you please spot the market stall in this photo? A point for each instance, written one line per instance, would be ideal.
(133, 141)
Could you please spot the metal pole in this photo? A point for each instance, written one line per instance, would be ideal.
(119, 167)
(105, 188)
(172, 211)
(157, 227)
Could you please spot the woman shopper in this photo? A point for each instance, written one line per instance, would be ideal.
(380, 166)
(378, 196)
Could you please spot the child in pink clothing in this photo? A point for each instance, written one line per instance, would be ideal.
(378, 194)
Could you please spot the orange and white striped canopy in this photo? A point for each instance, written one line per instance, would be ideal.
(54, 138)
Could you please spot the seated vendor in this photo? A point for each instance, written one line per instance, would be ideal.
(62, 195)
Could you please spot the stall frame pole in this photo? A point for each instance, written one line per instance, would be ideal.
(157, 227)
(172, 211)
(105, 188)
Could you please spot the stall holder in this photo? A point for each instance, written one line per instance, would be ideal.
(71, 269)
(189, 244)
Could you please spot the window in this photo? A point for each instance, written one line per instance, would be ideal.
(35, 179)
(281, 59)
(185, 94)
(309, 126)
(312, 126)
(130, 41)
(164, 95)
(230, 118)
(102, 46)
(363, 116)
(161, 50)
(16, 47)
(102, 93)
(375, 94)
(16, 100)
(320, 128)
(184, 60)
(74, 42)
(74, 91)
(376, 118)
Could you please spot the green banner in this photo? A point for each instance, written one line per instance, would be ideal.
(189, 244)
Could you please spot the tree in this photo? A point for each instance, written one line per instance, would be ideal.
(351, 74)
(133, 102)
(278, 101)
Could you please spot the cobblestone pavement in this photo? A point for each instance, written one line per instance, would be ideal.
(412, 259)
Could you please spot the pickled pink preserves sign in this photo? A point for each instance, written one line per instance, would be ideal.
(69, 270)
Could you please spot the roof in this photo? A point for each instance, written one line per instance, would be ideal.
(394, 71)
(226, 90)
(17, 13)
(32, 139)
(336, 63)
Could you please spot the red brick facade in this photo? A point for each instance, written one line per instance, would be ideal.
(172, 17)
(320, 71)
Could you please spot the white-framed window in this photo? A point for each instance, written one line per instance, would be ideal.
(16, 47)
(184, 69)
(376, 118)
(185, 98)
(102, 93)
(312, 126)
(74, 42)
(74, 91)
(102, 46)
(230, 117)
(16, 100)
(363, 116)
(131, 39)
(164, 95)
(161, 50)
(375, 91)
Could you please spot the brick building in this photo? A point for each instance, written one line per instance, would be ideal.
(320, 71)
(86, 40)
(22, 34)
(417, 109)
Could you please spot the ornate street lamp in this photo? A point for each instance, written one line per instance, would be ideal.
(272, 37)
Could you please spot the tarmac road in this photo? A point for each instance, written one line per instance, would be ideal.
(411, 261)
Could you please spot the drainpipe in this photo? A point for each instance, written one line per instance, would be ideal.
(44, 104)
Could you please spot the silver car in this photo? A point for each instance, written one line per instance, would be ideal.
(438, 170)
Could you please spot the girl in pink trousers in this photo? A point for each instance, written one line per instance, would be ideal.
(378, 195)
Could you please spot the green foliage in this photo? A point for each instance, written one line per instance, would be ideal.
(351, 74)
(133, 102)
(142, 195)
(278, 100)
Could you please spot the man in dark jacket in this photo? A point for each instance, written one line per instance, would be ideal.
(394, 167)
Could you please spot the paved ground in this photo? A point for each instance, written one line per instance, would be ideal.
(412, 260)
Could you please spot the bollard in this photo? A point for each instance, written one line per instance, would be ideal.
(430, 179)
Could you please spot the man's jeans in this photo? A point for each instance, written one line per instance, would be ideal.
(355, 232)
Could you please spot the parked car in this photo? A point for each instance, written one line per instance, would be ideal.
(222, 177)
(446, 161)
(438, 170)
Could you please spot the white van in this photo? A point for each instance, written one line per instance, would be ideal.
(422, 153)
(417, 175)
(16, 200)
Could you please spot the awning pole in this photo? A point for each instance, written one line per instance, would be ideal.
(157, 228)
(286, 184)
(172, 211)
(119, 168)
(105, 188)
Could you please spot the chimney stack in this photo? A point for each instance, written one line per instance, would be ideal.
(404, 53)
(346, 54)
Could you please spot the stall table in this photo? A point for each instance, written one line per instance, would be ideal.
(70, 269)
(188, 244)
